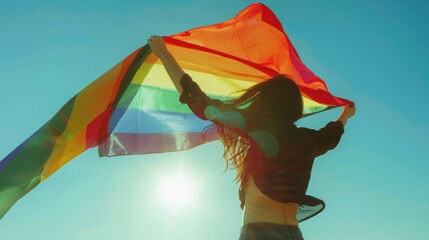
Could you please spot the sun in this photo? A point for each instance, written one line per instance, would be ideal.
(176, 191)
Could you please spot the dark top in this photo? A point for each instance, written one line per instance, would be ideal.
(281, 162)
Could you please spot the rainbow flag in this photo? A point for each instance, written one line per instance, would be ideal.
(134, 108)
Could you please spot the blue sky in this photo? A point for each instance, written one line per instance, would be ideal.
(372, 52)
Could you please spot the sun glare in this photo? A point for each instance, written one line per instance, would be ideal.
(176, 192)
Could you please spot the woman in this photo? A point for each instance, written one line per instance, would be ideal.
(273, 157)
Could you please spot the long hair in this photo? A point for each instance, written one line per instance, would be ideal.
(280, 100)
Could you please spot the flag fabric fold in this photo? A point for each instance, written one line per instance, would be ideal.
(134, 109)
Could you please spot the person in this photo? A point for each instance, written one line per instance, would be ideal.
(273, 158)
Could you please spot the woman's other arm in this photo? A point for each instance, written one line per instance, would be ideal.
(348, 112)
(173, 69)
(330, 135)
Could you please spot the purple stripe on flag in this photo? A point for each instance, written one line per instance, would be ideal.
(152, 121)
(127, 144)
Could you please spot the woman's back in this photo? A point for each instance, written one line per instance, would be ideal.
(284, 177)
(261, 208)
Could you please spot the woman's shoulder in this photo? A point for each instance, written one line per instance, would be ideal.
(305, 130)
(303, 134)
(299, 131)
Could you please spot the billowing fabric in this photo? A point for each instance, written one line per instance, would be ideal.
(133, 108)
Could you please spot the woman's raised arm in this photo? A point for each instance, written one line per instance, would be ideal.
(173, 69)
